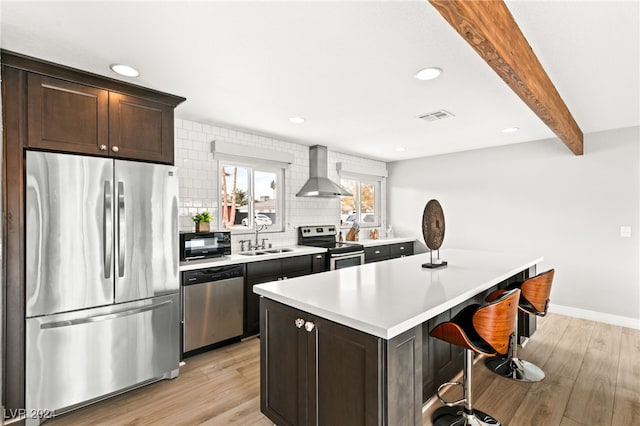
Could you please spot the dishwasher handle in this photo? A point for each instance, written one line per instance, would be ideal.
(218, 273)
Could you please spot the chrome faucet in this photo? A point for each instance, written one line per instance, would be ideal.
(257, 245)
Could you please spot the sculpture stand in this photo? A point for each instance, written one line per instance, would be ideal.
(438, 263)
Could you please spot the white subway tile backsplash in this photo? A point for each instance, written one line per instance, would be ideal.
(198, 173)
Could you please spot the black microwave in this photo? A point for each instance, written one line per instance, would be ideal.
(201, 245)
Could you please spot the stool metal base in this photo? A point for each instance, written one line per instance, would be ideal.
(455, 416)
(515, 369)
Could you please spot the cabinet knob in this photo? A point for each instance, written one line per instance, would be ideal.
(115, 149)
(319, 256)
(309, 326)
(401, 247)
(103, 147)
(299, 322)
(377, 251)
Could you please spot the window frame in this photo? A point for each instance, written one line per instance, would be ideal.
(360, 179)
(278, 169)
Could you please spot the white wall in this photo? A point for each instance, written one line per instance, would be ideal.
(539, 198)
(198, 173)
(1, 262)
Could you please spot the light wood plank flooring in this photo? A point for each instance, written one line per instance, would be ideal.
(592, 378)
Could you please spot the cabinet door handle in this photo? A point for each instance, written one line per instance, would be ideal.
(309, 326)
(299, 322)
(103, 147)
(115, 149)
(401, 247)
(319, 256)
(377, 252)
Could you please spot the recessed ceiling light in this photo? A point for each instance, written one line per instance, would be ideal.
(125, 70)
(510, 129)
(401, 149)
(428, 73)
(296, 120)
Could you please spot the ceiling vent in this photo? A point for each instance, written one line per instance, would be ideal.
(436, 115)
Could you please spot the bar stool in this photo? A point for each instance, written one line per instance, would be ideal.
(479, 329)
(534, 300)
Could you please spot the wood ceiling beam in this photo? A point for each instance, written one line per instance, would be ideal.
(490, 29)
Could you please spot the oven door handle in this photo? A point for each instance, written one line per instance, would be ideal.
(349, 254)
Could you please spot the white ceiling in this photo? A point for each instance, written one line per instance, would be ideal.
(346, 66)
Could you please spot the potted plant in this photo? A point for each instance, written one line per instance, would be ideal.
(202, 221)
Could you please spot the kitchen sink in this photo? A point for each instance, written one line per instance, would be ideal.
(252, 253)
(269, 251)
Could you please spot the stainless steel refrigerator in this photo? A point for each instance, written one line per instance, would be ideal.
(102, 289)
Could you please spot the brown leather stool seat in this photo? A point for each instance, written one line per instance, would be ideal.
(534, 299)
(484, 329)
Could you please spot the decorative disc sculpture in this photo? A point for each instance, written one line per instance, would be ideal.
(433, 232)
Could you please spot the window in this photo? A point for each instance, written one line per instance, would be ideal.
(364, 206)
(250, 196)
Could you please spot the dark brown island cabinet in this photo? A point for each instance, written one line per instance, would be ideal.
(317, 372)
(52, 107)
(274, 270)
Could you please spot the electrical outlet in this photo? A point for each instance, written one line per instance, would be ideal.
(625, 231)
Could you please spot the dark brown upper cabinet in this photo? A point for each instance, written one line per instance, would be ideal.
(65, 116)
(140, 129)
(69, 110)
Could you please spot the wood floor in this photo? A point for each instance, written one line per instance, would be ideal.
(592, 378)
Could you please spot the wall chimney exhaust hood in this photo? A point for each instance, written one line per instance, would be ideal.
(319, 184)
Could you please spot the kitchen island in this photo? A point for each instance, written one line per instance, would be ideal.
(349, 346)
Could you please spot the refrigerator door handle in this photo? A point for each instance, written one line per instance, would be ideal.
(122, 227)
(107, 228)
(103, 317)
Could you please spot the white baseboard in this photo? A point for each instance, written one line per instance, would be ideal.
(595, 316)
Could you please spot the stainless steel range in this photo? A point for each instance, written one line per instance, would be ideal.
(341, 255)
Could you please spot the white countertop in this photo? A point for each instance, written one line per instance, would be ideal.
(239, 258)
(387, 298)
(383, 241)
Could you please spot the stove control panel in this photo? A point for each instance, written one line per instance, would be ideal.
(317, 231)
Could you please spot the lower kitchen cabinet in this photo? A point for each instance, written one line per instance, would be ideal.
(316, 372)
(376, 254)
(270, 270)
(400, 250)
(319, 263)
(387, 251)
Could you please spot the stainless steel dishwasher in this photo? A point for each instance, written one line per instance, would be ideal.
(212, 305)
